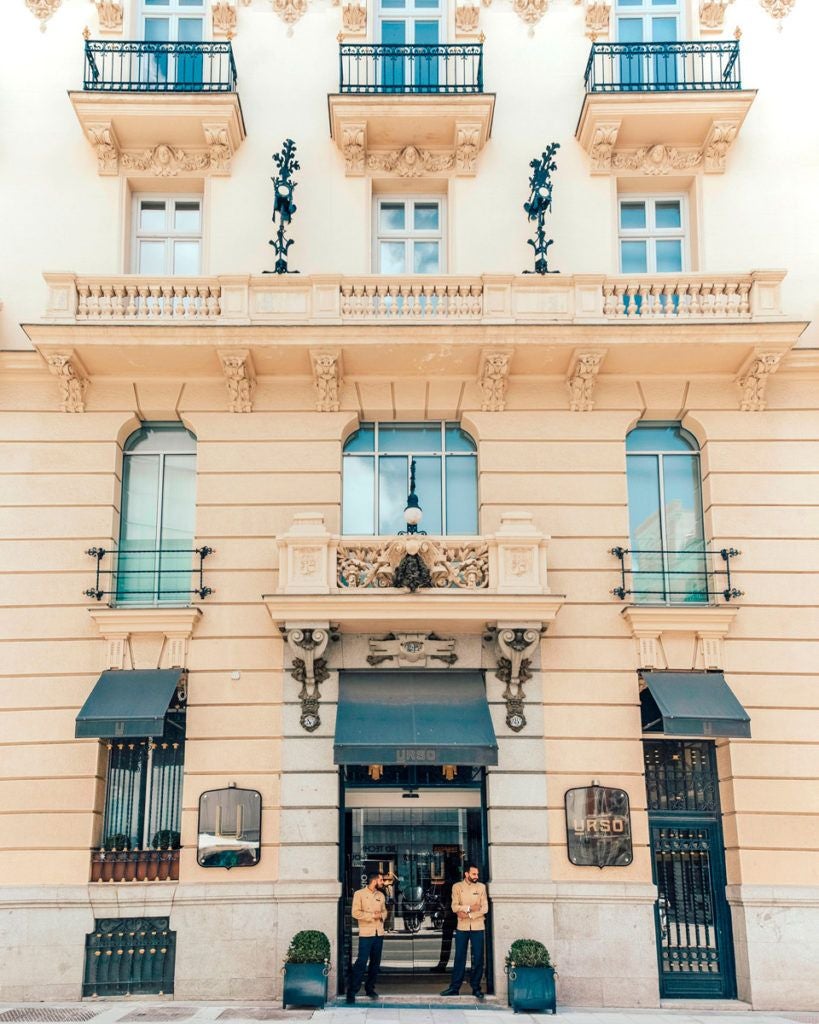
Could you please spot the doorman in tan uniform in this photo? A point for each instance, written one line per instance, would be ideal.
(370, 910)
(471, 905)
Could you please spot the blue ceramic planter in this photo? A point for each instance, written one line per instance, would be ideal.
(532, 989)
(305, 985)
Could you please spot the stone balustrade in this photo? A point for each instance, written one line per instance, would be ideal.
(489, 299)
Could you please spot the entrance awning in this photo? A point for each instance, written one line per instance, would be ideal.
(691, 704)
(128, 703)
(405, 717)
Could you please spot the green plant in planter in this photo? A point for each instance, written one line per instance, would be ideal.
(308, 947)
(528, 953)
(117, 842)
(165, 839)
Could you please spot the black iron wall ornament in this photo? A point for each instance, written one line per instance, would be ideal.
(539, 204)
(283, 205)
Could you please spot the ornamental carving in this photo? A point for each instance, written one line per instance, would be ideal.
(467, 17)
(290, 11)
(71, 380)
(354, 147)
(515, 647)
(109, 13)
(326, 379)
(719, 141)
(412, 649)
(530, 11)
(309, 668)
(597, 19)
(219, 150)
(240, 380)
(777, 8)
(712, 14)
(467, 146)
(224, 19)
(411, 162)
(462, 566)
(165, 161)
(755, 382)
(655, 160)
(43, 9)
(493, 380)
(582, 380)
(104, 141)
(354, 19)
(602, 147)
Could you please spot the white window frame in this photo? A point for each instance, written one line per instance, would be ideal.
(409, 235)
(651, 234)
(646, 11)
(173, 11)
(409, 14)
(169, 235)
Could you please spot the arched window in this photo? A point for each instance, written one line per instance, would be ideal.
(665, 514)
(376, 473)
(157, 515)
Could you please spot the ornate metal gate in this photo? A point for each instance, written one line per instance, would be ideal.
(694, 943)
(129, 956)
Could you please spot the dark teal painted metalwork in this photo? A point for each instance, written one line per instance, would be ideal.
(709, 583)
(129, 956)
(539, 204)
(138, 66)
(156, 587)
(693, 66)
(410, 68)
(283, 205)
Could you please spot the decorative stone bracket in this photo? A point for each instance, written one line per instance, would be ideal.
(412, 161)
(72, 379)
(240, 377)
(754, 380)
(493, 378)
(515, 645)
(582, 377)
(307, 643)
(412, 649)
(680, 638)
(163, 160)
(326, 378)
(146, 638)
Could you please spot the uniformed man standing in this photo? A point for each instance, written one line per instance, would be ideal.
(471, 905)
(370, 910)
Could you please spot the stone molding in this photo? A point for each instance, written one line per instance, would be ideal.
(146, 637)
(225, 19)
(709, 624)
(411, 162)
(655, 160)
(308, 642)
(110, 15)
(754, 380)
(72, 379)
(290, 11)
(467, 19)
(598, 15)
(493, 378)
(712, 14)
(240, 378)
(354, 19)
(530, 12)
(43, 9)
(412, 649)
(581, 379)
(327, 378)
(776, 8)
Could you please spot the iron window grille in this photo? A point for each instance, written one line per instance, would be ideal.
(129, 956)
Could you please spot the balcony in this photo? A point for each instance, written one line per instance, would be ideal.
(662, 576)
(160, 108)
(148, 576)
(660, 108)
(411, 110)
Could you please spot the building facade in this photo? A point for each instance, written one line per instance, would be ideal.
(239, 667)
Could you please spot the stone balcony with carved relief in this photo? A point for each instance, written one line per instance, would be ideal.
(160, 109)
(411, 111)
(413, 582)
(662, 108)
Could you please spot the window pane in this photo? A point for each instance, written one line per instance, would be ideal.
(633, 257)
(428, 489)
(187, 216)
(630, 30)
(161, 437)
(667, 214)
(632, 215)
(669, 256)
(178, 514)
(152, 215)
(457, 440)
(425, 217)
(644, 528)
(138, 528)
(409, 437)
(362, 440)
(157, 3)
(391, 258)
(393, 3)
(190, 30)
(660, 437)
(427, 3)
(426, 258)
(461, 494)
(186, 258)
(152, 257)
(663, 30)
(392, 217)
(196, 3)
(393, 485)
(358, 495)
(684, 529)
(157, 30)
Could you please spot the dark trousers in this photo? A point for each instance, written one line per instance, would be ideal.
(462, 940)
(369, 951)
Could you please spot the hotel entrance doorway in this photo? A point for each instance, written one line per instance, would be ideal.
(420, 836)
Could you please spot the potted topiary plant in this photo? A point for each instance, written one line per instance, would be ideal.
(306, 968)
(531, 977)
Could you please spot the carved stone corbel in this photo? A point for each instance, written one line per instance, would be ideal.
(354, 147)
(307, 645)
(602, 147)
(109, 13)
(219, 148)
(241, 379)
(102, 138)
(755, 382)
(581, 380)
(467, 144)
(493, 377)
(515, 647)
(72, 379)
(719, 141)
(326, 378)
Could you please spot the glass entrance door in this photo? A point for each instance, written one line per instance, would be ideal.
(421, 845)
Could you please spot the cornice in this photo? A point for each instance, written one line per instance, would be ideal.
(711, 620)
(168, 621)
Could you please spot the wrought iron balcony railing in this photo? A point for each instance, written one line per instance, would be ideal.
(664, 67)
(149, 575)
(392, 68)
(134, 66)
(666, 576)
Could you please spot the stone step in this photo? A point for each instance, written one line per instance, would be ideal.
(422, 1000)
(723, 1005)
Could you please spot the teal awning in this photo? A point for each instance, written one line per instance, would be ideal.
(691, 704)
(408, 717)
(128, 703)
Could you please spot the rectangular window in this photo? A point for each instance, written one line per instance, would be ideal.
(168, 235)
(652, 234)
(409, 235)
